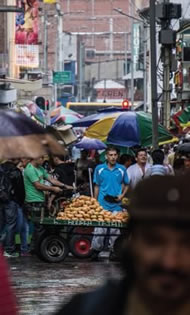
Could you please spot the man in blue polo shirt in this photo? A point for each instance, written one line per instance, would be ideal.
(111, 184)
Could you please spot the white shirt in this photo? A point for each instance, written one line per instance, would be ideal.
(135, 173)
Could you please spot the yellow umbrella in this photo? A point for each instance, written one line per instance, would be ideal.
(100, 130)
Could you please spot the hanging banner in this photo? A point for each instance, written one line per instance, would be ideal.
(27, 23)
(26, 35)
(136, 45)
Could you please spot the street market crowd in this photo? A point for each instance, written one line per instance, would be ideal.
(30, 186)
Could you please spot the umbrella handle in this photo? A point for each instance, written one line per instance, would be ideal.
(90, 181)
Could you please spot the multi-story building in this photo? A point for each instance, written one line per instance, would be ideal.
(103, 33)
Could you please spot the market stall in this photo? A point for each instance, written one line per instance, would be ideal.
(70, 230)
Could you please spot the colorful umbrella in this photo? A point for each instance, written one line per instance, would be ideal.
(34, 110)
(66, 115)
(182, 117)
(21, 137)
(91, 119)
(127, 129)
(91, 144)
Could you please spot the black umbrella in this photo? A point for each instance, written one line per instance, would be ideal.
(21, 137)
(184, 148)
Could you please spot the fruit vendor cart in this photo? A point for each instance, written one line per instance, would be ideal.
(59, 237)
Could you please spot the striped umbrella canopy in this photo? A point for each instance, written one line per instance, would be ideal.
(127, 129)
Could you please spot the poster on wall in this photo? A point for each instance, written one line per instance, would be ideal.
(27, 56)
(26, 33)
(27, 23)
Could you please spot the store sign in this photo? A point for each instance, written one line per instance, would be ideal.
(27, 56)
(136, 45)
(111, 93)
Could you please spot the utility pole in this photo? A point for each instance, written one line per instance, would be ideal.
(132, 58)
(144, 66)
(166, 77)
(167, 37)
(166, 87)
(153, 74)
(45, 41)
(80, 53)
(111, 38)
(59, 62)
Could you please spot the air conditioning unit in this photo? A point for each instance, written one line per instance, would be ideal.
(90, 53)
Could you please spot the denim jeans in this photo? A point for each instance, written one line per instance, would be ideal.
(23, 229)
(8, 221)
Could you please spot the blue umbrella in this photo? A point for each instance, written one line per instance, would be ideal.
(91, 119)
(91, 144)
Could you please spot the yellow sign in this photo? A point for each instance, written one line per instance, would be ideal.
(50, 1)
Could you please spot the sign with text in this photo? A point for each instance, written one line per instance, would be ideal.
(136, 45)
(62, 77)
(27, 56)
(111, 93)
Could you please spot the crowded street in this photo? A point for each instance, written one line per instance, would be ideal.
(94, 157)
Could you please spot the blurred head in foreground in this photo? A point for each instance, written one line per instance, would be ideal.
(157, 257)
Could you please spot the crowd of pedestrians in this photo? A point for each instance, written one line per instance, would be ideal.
(25, 185)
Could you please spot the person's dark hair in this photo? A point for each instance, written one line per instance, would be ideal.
(112, 148)
(140, 150)
(158, 157)
(125, 158)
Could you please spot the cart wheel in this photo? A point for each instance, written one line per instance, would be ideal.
(80, 246)
(53, 248)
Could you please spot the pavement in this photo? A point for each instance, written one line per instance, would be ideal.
(41, 287)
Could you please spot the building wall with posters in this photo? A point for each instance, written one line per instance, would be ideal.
(26, 34)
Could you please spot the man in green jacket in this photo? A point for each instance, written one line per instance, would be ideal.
(156, 259)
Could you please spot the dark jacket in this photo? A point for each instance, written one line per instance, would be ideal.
(65, 173)
(110, 299)
(16, 178)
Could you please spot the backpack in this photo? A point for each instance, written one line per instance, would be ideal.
(5, 185)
